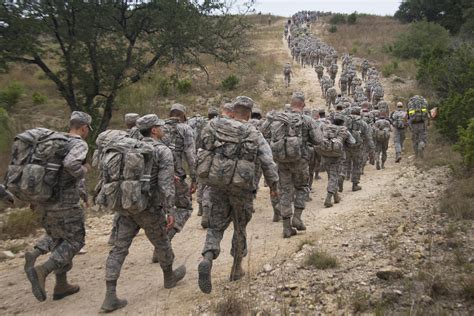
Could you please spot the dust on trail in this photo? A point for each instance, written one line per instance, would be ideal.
(141, 282)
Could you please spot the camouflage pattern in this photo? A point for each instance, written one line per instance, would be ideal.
(419, 138)
(152, 220)
(399, 130)
(381, 146)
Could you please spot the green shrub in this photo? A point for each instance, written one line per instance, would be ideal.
(465, 145)
(332, 29)
(389, 69)
(454, 113)
(421, 38)
(5, 131)
(164, 86)
(352, 18)
(10, 95)
(183, 85)
(39, 98)
(230, 83)
(338, 18)
(20, 223)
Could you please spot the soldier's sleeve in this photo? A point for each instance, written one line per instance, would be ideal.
(368, 137)
(315, 134)
(73, 162)
(164, 159)
(190, 152)
(269, 167)
(349, 139)
(83, 190)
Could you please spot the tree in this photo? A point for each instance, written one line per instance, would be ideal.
(92, 49)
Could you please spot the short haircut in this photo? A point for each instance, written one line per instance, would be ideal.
(146, 132)
(75, 124)
(338, 121)
(256, 116)
(211, 116)
(241, 109)
(176, 113)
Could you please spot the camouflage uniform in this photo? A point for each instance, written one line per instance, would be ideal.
(381, 146)
(179, 138)
(418, 128)
(399, 131)
(319, 69)
(331, 95)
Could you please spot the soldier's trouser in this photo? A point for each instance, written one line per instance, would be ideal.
(153, 222)
(228, 207)
(333, 168)
(364, 74)
(294, 187)
(65, 236)
(398, 139)
(343, 89)
(199, 193)
(184, 206)
(312, 166)
(258, 177)
(113, 233)
(320, 75)
(206, 202)
(381, 150)
(333, 77)
(354, 160)
(365, 156)
(287, 79)
(418, 136)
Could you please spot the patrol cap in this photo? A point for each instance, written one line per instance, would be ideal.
(227, 107)
(355, 110)
(212, 111)
(82, 118)
(149, 121)
(178, 107)
(243, 101)
(399, 104)
(131, 118)
(299, 95)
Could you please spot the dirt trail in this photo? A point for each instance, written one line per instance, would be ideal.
(141, 282)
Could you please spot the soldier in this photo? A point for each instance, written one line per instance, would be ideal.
(353, 162)
(62, 217)
(291, 133)
(319, 69)
(399, 121)
(179, 137)
(335, 133)
(287, 73)
(383, 107)
(418, 120)
(153, 220)
(364, 67)
(381, 132)
(231, 204)
(331, 94)
(333, 72)
(343, 83)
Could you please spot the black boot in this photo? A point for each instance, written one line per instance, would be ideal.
(288, 231)
(337, 198)
(237, 272)
(63, 288)
(204, 270)
(111, 301)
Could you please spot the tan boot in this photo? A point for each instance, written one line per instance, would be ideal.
(204, 271)
(63, 288)
(328, 201)
(288, 231)
(111, 301)
(337, 198)
(171, 277)
(297, 222)
(37, 277)
(356, 187)
(237, 272)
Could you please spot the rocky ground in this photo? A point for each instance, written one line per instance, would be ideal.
(386, 249)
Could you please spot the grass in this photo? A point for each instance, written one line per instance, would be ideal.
(231, 305)
(305, 242)
(458, 200)
(321, 260)
(467, 288)
(360, 301)
(20, 223)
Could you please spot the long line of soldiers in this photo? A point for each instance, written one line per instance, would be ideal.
(149, 172)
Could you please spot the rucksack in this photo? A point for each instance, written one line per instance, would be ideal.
(36, 162)
(125, 174)
(331, 144)
(353, 124)
(398, 118)
(381, 134)
(230, 161)
(286, 140)
(174, 140)
(378, 91)
(287, 70)
(417, 109)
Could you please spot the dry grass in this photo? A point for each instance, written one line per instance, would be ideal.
(19, 224)
(458, 200)
(321, 260)
(231, 305)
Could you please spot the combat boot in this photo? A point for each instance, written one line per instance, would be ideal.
(204, 270)
(205, 220)
(111, 301)
(63, 288)
(337, 198)
(341, 183)
(171, 233)
(398, 158)
(37, 277)
(377, 165)
(356, 186)
(171, 277)
(155, 257)
(297, 222)
(276, 217)
(328, 201)
(383, 165)
(288, 231)
(237, 272)
(30, 258)
(199, 210)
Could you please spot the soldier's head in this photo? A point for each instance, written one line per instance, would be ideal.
(338, 119)
(150, 126)
(243, 108)
(130, 119)
(178, 111)
(322, 113)
(355, 110)
(399, 105)
(297, 101)
(80, 124)
(256, 113)
(227, 109)
(339, 107)
(212, 112)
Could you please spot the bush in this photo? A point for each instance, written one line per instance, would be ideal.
(332, 29)
(164, 86)
(389, 69)
(230, 83)
(321, 260)
(20, 223)
(10, 95)
(39, 98)
(338, 18)
(465, 145)
(421, 38)
(352, 18)
(5, 131)
(454, 114)
(458, 200)
(183, 85)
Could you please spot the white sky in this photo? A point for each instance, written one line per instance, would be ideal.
(289, 7)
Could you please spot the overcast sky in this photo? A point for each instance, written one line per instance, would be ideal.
(289, 7)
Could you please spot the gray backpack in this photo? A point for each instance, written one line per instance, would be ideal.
(353, 124)
(331, 145)
(230, 161)
(125, 166)
(286, 139)
(36, 161)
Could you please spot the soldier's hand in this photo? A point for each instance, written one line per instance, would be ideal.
(88, 167)
(274, 194)
(177, 179)
(169, 222)
(193, 188)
